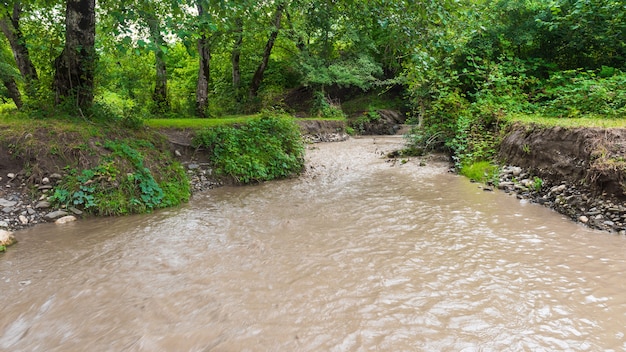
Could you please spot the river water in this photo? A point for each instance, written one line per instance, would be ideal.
(358, 254)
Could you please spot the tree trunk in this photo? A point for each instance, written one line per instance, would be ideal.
(204, 75)
(159, 96)
(236, 55)
(74, 75)
(10, 26)
(14, 93)
(204, 70)
(257, 79)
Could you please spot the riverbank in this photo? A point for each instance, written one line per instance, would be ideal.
(35, 164)
(579, 172)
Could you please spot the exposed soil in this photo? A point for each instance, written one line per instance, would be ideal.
(593, 158)
(581, 171)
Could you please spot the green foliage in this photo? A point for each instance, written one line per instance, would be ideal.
(537, 184)
(578, 93)
(481, 171)
(324, 107)
(122, 184)
(259, 150)
(3, 248)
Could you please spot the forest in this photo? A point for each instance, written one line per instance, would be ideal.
(456, 68)
(208, 58)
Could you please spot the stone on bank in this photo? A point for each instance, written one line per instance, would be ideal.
(6, 238)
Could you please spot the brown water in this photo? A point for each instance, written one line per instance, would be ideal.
(359, 254)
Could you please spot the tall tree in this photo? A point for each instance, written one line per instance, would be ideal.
(75, 67)
(204, 67)
(235, 57)
(257, 79)
(8, 74)
(10, 26)
(159, 96)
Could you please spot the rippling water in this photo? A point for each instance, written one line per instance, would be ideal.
(358, 254)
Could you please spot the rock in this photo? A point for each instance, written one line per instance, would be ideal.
(558, 189)
(55, 215)
(177, 153)
(6, 238)
(505, 185)
(42, 204)
(193, 166)
(44, 187)
(7, 203)
(23, 219)
(75, 211)
(45, 180)
(583, 219)
(609, 223)
(11, 175)
(65, 219)
(56, 176)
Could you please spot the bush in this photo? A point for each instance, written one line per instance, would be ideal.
(262, 149)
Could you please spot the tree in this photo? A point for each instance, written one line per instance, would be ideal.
(10, 26)
(257, 79)
(204, 67)
(7, 76)
(75, 67)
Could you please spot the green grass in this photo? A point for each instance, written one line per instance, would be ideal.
(481, 171)
(580, 122)
(197, 123)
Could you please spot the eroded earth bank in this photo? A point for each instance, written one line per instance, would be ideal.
(582, 171)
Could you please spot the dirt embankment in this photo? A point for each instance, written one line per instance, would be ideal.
(583, 170)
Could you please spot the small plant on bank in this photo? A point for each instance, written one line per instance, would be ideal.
(122, 184)
(260, 150)
(481, 171)
(537, 184)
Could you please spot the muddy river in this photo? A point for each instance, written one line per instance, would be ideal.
(358, 254)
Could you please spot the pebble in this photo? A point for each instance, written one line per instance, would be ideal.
(23, 219)
(55, 215)
(65, 219)
(596, 211)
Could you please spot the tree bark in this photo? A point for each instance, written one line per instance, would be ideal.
(204, 69)
(159, 96)
(236, 56)
(74, 75)
(10, 26)
(204, 76)
(14, 92)
(257, 79)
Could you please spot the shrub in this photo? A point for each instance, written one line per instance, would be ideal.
(260, 150)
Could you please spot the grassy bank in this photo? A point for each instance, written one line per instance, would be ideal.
(109, 168)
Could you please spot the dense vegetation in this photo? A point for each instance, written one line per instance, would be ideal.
(460, 68)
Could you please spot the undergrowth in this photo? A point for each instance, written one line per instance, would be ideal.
(122, 184)
(260, 149)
